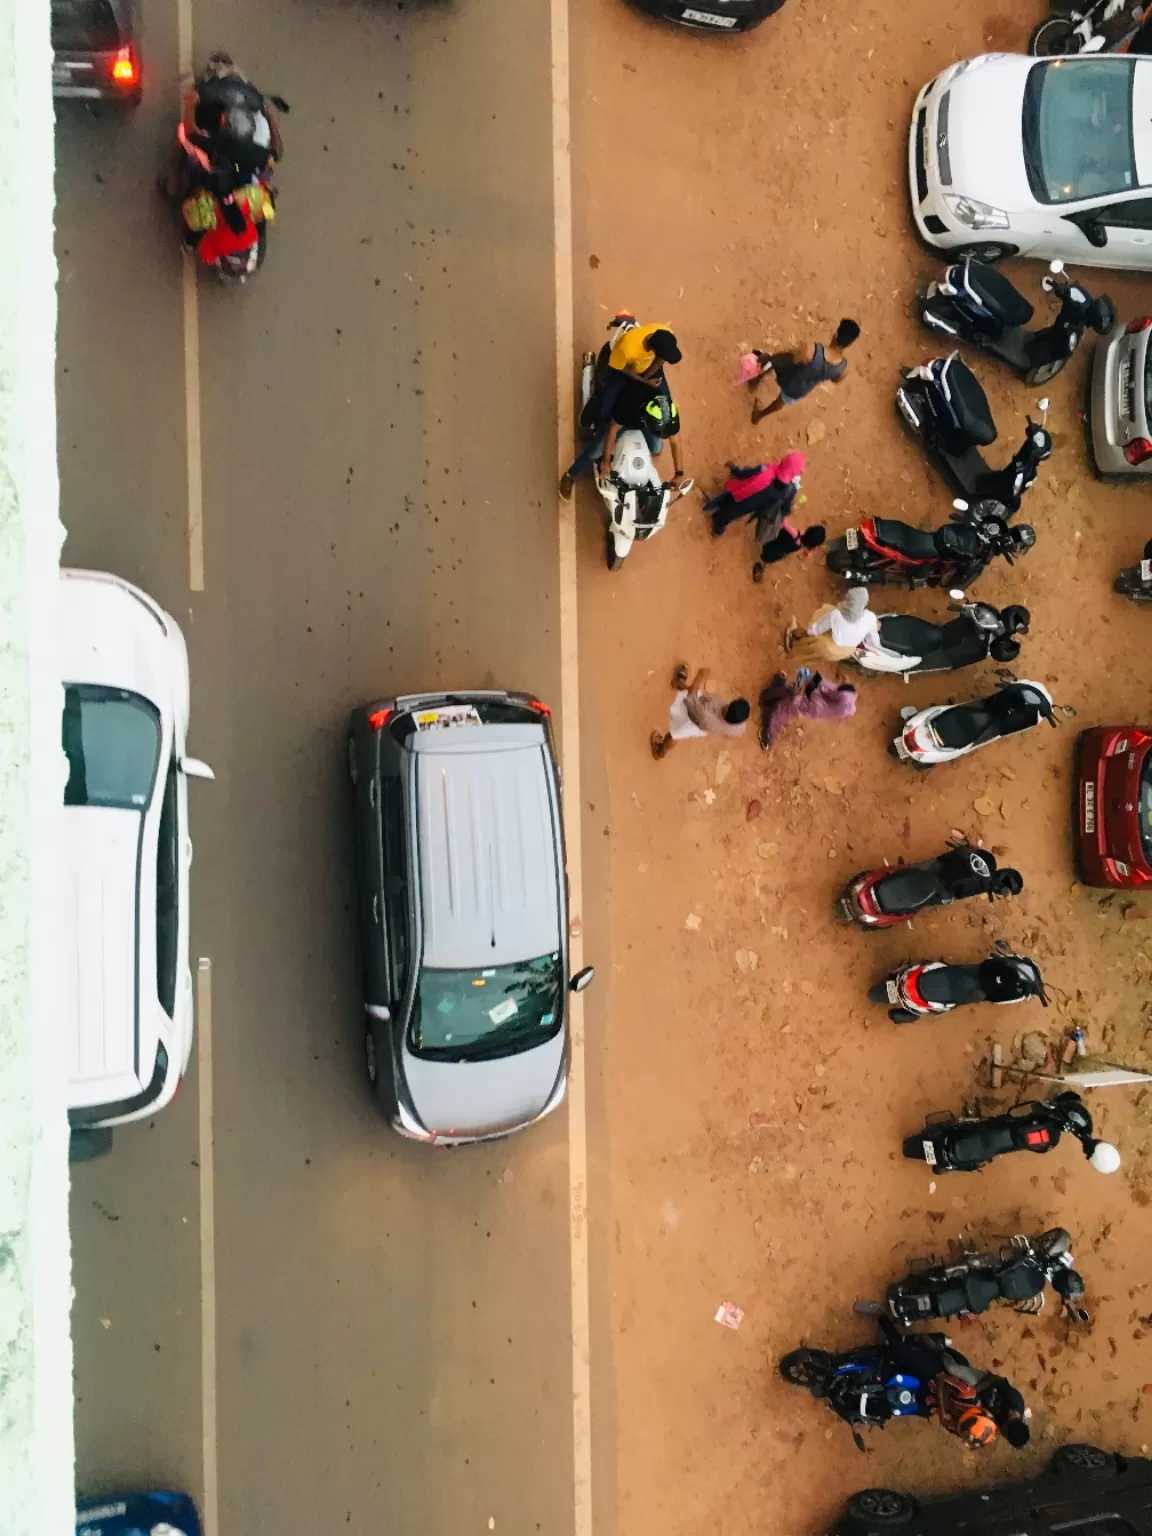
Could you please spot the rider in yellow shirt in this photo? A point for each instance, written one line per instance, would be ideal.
(644, 350)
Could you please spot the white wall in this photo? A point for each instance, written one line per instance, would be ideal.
(36, 1460)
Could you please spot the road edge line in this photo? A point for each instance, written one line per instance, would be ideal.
(208, 1429)
(570, 761)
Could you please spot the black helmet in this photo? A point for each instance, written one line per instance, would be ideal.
(1007, 882)
(1015, 619)
(1100, 315)
(1023, 536)
(1003, 649)
(1039, 442)
(1017, 1433)
(1067, 1283)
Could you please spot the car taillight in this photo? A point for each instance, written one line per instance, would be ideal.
(125, 70)
(1134, 327)
(540, 708)
(379, 718)
(1138, 450)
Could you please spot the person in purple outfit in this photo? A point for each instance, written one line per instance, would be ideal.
(809, 697)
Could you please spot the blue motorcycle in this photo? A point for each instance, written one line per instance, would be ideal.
(860, 1386)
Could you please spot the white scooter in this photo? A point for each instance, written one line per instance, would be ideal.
(636, 498)
(948, 731)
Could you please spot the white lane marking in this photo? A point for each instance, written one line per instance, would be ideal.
(207, 1252)
(570, 758)
(191, 347)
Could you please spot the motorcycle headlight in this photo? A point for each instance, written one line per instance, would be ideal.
(976, 215)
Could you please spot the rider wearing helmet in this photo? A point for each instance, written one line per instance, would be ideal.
(233, 122)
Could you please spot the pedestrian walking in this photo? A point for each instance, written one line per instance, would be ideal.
(809, 697)
(761, 491)
(798, 373)
(835, 630)
(787, 541)
(698, 710)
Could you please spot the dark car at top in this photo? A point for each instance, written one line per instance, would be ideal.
(1113, 809)
(95, 56)
(712, 15)
(1083, 1491)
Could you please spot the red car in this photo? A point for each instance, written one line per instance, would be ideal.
(1114, 806)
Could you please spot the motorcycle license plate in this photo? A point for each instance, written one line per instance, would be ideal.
(893, 991)
(1146, 570)
(929, 1153)
(706, 20)
(852, 539)
(1089, 807)
(442, 719)
(902, 751)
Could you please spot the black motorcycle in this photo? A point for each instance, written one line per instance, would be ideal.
(944, 404)
(927, 988)
(883, 551)
(1135, 581)
(910, 645)
(977, 304)
(881, 898)
(1015, 1277)
(963, 1143)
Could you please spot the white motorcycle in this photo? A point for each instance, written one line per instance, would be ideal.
(948, 731)
(636, 498)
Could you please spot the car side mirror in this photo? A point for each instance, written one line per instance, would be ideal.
(582, 979)
(193, 768)
(1094, 232)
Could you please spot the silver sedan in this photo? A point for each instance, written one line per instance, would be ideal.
(1122, 400)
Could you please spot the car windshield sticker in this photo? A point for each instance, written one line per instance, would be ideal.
(546, 1018)
(503, 1010)
(446, 1005)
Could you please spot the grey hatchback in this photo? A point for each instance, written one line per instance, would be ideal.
(462, 897)
(1122, 400)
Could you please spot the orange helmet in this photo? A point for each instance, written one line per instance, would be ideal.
(976, 1427)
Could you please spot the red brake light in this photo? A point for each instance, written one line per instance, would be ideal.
(1138, 450)
(1140, 324)
(124, 68)
(540, 708)
(379, 718)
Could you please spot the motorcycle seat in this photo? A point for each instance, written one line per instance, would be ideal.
(906, 890)
(996, 293)
(949, 984)
(907, 635)
(917, 543)
(975, 1293)
(1022, 1280)
(981, 1143)
(968, 401)
(961, 725)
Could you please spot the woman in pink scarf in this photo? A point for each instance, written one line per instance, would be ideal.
(761, 491)
(808, 698)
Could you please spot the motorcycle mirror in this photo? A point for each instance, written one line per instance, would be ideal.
(1043, 403)
(956, 594)
(1068, 711)
(960, 504)
(1056, 267)
(686, 485)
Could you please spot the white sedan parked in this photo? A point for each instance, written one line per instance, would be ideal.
(127, 985)
(1039, 157)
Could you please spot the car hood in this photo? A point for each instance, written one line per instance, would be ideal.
(114, 636)
(483, 1098)
(985, 139)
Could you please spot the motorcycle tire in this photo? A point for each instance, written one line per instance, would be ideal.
(809, 1368)
(841, 560)
(881, 1509)
(1042, 375)
(903, 1015)
(913, 1147)
(878, 993)
(613, 560)
(1055, 38)
(1053, 1243)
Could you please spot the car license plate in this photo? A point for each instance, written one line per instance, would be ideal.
(929, 1153)
(893, 991)
(1146, 570)
(1125, 390)
(1089, 807)
(449, 715)
(902, 751)
(852, 539)
(708, 20)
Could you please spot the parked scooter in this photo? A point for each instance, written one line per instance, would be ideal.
(927, 988)
(1113, 26)
(881, 898)
(977, 304)
(1135, 581)
(948, 731)
(909, 645)
(944, 404)
(882, 551)
(636, 498)
(1015, 1277)
(963, 1143)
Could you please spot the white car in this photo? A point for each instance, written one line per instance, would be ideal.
(127, 983)
(1038, 157)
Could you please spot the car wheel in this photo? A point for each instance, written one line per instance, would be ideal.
(1088, 1460)
(87, 1143)
(371, 1063)
(353, 766)
(881, 1508)
(988, 251)
(811, 1368)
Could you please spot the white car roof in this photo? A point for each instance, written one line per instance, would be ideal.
(488, 846)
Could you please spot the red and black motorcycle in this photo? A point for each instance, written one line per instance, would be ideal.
(882, 551)
(881, 898)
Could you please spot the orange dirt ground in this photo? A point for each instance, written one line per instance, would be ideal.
(752, 1103)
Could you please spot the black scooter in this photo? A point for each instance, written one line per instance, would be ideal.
(944, 404)
(911, 645)
(1135, 581)
(963, 1143)
(1015, 1277)
(882, 898)
(977, 304)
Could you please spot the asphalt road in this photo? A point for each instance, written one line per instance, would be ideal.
(394, 1348)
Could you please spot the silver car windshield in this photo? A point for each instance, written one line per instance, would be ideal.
(1077, 129)
(479, 1015)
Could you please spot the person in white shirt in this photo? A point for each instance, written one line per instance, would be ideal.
(835, 631)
